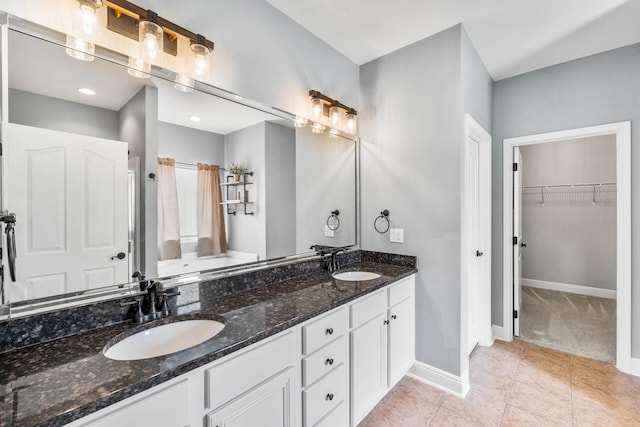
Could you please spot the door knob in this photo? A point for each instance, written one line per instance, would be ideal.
(120, 255)
(479, 254)
(523, 245)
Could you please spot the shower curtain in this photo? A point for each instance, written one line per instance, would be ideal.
(212, 238)
(168, 218)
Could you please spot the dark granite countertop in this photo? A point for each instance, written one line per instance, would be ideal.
(56, 382)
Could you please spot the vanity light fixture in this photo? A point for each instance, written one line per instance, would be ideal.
(184, 83)
(334, 133)
(318, 128)
(323, 105)
(150, 36)
(84, 25)
(138, 68)
(300, 122)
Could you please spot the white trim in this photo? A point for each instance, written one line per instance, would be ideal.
(457, 385)
(622, 131)
(472, 130)
(501, 333)
(572, 289)
(635, 367)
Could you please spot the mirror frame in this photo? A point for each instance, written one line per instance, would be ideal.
(10, 310)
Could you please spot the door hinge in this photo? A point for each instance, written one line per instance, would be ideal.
(515, 314)
(515, 167)
(515, 240)
(0, 148)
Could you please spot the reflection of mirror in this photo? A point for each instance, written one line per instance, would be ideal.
(81, 174)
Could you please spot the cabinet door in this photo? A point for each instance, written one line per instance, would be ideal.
(401, 340)
(368, 366)
(268, 404)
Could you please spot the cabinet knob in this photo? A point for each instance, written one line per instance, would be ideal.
(329, 331)
(394, 317)
(329, 361)
(329, 396)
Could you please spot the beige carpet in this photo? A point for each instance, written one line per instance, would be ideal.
(576, 324)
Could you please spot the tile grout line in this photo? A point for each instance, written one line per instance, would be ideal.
(573, 421)
(436, 412)
(513, 380)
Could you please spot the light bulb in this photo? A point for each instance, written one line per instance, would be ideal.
(334, 133)
(200, 63)
(184, 83)
(151, 40)
(138, 68)
(300, 122)
(317, 128)
(351, 123)
(317, 107)
(334, 115)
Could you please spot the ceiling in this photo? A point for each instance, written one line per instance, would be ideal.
(511, 36)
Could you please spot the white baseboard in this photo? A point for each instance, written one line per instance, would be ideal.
(635, 367)
(573, 289)
(457, 385)
(501, 333)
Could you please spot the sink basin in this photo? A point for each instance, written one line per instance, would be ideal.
(356, 276)
(164, 339)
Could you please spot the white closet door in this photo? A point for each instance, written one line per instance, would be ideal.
(69, 194)
(517, 232)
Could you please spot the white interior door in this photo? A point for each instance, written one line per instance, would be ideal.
(517, 233)
(69, 194)
(475, 253)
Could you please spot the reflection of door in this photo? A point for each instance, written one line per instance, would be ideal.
(473, 272)
(69, 194)
(517, 234)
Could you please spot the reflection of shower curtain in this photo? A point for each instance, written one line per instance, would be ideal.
(211, 235)
(168, 218)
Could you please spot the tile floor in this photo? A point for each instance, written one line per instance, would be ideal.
(518, 384)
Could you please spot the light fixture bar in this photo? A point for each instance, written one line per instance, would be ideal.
(332, 102)
(136, 12)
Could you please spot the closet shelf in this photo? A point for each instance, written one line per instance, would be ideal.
(594, 193)
(235, 183)
(235, 202)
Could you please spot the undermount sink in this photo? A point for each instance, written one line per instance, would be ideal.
(164, 339)
(356, 276)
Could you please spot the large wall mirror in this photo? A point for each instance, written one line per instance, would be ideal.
(134, 175)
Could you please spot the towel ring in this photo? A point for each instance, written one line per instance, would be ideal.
(381, 223)
(333, 222)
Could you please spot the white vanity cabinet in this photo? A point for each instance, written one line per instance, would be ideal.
(382, 344)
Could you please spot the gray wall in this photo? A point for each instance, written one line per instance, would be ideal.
(411, 125)
(571, 243)
(280, 195)
(30, 109)
(246, 233)
(189, 145)
(138, 120)
(325, 179)
(599, 89)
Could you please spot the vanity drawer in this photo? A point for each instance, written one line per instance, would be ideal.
(325, 360)
(324, 330)
(325, 395)
(338, 417)
(233, 377)
(368, 308)
(401, 290)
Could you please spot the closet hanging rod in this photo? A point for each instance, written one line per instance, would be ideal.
(595, 184)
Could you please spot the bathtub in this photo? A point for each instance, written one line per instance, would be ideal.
(190, 262)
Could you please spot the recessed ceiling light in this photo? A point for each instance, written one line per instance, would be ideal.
(194, 118)
(86, 91)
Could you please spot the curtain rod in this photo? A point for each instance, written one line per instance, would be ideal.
(192, 165)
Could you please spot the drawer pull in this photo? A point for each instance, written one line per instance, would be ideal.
(329, 361)
(394, 317)
(329, 331)
(329, 396)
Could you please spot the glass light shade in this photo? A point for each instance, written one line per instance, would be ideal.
(151, 41)
(334, 133)
(317, 107)
(300, 122)
(79, 48)
(334, 115)
(351, 123)
(138, 68)
(201, 62)
(318, 128)
(184, 83)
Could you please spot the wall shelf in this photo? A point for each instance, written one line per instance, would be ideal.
(232, 185)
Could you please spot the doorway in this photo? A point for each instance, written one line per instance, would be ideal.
(513, 242)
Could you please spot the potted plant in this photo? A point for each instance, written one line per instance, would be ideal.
(236, 170)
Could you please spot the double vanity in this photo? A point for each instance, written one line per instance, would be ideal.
(303, 348)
